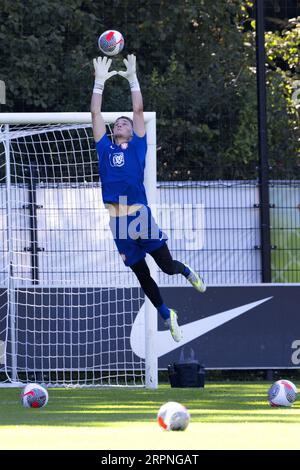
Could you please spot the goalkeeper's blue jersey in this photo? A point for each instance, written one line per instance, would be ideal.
(121, 170)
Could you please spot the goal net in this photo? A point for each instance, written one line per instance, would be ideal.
(67, 302)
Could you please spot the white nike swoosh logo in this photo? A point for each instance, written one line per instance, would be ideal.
(191, 331)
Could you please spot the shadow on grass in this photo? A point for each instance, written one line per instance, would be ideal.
(216, 403)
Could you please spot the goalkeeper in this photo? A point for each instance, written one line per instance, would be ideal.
(121, 169)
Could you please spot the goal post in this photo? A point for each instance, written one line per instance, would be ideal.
(67, 302)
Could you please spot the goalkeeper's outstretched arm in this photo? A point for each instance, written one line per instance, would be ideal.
(101, 66)
(136, 95)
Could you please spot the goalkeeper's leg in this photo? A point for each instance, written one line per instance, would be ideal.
(152, 291)
(168, 265)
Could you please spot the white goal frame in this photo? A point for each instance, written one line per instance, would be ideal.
(8, 119)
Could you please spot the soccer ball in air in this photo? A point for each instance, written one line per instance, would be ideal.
(111, 42)
(173, 416)
(282, 393)
(34, 396)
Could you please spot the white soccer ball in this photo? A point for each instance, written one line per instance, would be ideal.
(34, 396)
(282, 393)
(111, 42)
(173, 416)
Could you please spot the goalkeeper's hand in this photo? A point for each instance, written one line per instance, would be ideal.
(130, 73)
(101, 66)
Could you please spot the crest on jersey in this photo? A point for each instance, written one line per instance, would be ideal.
(116, 159)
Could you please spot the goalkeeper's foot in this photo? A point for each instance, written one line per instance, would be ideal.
(175, 329)
(196, 281)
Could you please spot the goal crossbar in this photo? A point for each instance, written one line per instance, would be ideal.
(64, 118)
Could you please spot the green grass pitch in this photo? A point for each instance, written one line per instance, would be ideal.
(230, 415)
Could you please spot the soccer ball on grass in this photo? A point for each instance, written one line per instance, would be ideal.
(173, 416)
(34, 396)
(282, 393)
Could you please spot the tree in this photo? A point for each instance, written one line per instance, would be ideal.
(196, 65)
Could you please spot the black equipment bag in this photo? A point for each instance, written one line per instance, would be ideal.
(186, 373)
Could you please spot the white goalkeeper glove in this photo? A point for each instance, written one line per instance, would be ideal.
(101, 66)
(130, 72)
